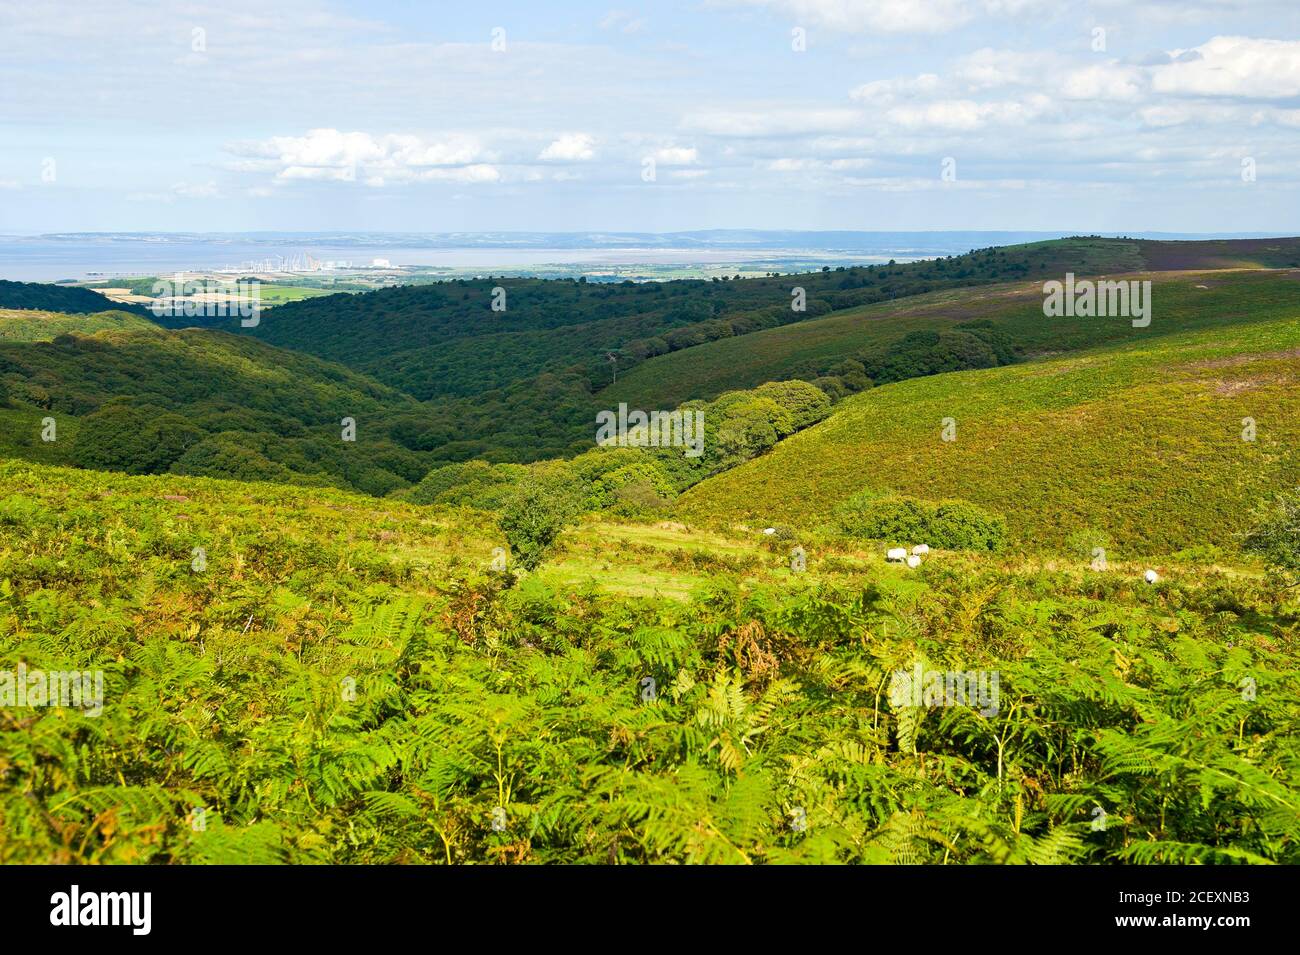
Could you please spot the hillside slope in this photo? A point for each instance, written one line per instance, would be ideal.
(142, 399)
(447, 339)
(318, 677)
(1181, 302)
(1162, 254)
(1142, 441)
(30, 325)
(61, 298)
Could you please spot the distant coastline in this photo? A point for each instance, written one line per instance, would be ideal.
(54, 257)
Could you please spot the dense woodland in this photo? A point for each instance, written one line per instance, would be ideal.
(446, 340)
(58, 298)
(494, 386)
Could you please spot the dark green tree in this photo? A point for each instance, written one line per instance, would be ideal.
(534, 515)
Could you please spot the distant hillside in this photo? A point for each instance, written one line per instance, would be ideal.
(147, 400)
(820, 347)
(1142, 442)
(1160, 255)
(446, 340)
(25, 325)
(525, 384)
(61, 298)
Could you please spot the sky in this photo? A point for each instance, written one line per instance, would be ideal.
(484, 116)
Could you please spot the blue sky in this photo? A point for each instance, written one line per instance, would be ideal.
(784, 114)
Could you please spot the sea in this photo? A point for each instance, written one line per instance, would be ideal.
(85, 256)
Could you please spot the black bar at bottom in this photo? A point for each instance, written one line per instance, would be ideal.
(334, 905)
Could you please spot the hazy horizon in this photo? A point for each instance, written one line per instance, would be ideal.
(80, 256)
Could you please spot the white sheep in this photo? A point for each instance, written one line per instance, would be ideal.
(896, 554)
(769, 530)
(921, 549)
(914, 561)
(1151, 576)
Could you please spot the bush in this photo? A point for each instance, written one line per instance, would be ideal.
(949, 524)
(456, 483)
(833, 388)
(640, 487)
(1276, 536)
(639, 499)
(804, 403)
(534, 515)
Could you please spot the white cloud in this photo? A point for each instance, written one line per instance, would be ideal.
(968, 115)
(1103, 81)
(893, 16)
(888, 90)
(412, 151)
(1165, 115)
(329, 155)
(180, 190)
(1233, 66)
(570, 147)
(792, 165)
(206, 190)
(805, 165)
(676, 156)
(890, 16)
(987, 69)
(477, 172)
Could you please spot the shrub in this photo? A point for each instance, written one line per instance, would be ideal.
(804, 403)
(639, 499)
(456, 483)
(634, 488)
(1276, 536)
(949, 524)
(534, 515)
(833, 388)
